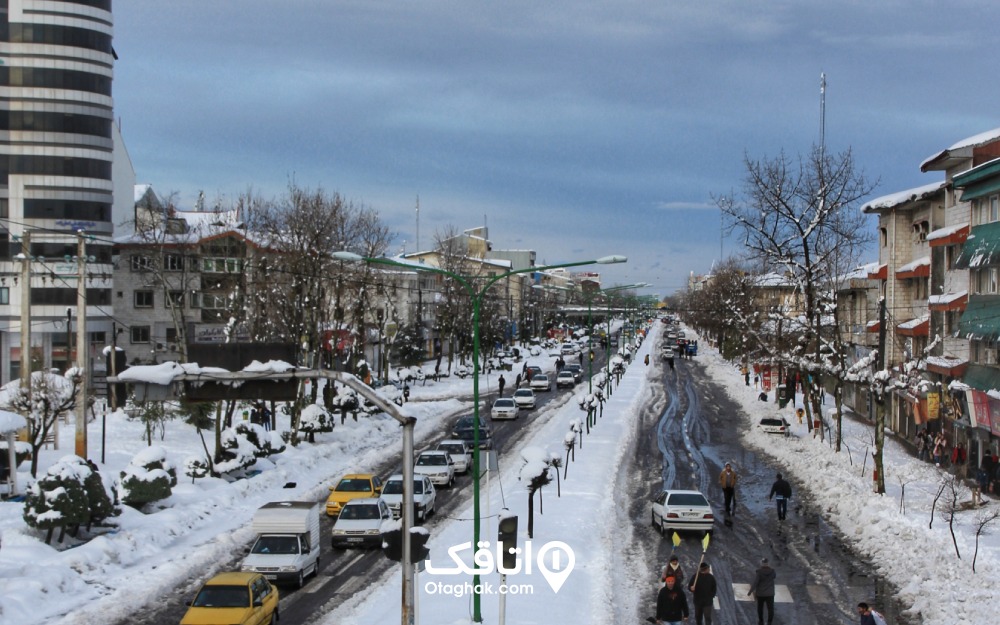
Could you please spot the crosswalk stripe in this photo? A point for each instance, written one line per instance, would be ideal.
(781, 593)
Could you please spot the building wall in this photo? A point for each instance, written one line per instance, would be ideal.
(58, 157)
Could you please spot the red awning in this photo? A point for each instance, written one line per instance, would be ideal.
(948, 236)
(882, 273)
(920, 271)
(946, 304)
(952, 369)
(873, 326)
(914, 327)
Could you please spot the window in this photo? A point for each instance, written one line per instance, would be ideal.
(950, 254)
(4, 295)
(173, 262)
(883, 236)
(994, 208)
(951, 322)
(140, 334)
(143, 299)
(222, 265)
(175, 299)
(172, 334)
(921, 229)
(141, 263)
(985, 280)
(920, 288)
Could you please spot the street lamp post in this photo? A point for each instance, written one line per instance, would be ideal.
(476, 296)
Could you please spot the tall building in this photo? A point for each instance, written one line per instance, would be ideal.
(57, 149)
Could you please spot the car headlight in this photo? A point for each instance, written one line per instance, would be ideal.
(372, 532)
(288, 569)
(248, 569)
(337, 532)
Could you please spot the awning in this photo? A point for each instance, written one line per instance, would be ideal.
(949, 367)
(920, 268)
(882, 273)
(979, 181)
(873, 326)
(948, 301)
(950, 235)
(915, 327)
(982, 378)
(982, 248)
(981, 319)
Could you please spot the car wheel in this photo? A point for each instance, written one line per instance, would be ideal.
(301, 581)
(316, 568)
(451, 482)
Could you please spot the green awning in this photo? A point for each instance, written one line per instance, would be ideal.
(982, 248)
(981, 318)
(982, 378)
(980, 190)
(979, 181)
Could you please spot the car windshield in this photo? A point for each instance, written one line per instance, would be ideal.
(523, 393)
(452, 448)
(431, 460)
(354, 486)
(362, 511)
(276, 544)
(395, 487)
(504, 403)
(222, 597)
(540, 377)
(687, 499)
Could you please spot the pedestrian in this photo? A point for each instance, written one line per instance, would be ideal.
(746, 375)
(646, 360)
(671, 604)
(673, 569)
(762, 396)
(958, 455)
(800, 413)
(703, 590)
(406, 392)
(500, 383)
(579, 357)
(921, 443)
(727, 479)
(940, 443)
(763, 589)
(869, 616)
(756, 381)
(782, 492)
(517, 381)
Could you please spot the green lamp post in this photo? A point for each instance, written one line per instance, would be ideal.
(467, 283)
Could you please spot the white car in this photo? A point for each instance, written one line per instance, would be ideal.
(524, 398)
(360, 523)
(682, 510)
(540, 382)
(775, 425)
(567, 349)
(424, 496)
(565, 378)
(504, 408)
(436, 465)
(460, 452)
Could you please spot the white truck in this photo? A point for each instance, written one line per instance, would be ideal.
(286, 549)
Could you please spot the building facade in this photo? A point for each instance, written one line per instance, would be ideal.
(58, 152)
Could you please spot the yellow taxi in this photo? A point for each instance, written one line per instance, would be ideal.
(352, 486)
(228, 598)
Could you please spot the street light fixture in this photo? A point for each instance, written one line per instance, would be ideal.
(466, 283)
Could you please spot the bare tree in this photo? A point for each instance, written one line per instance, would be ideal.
(49, 398)
(985, 517)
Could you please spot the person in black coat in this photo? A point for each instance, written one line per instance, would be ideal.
(782, 490)
(671, 604)
(763, 589)
(703, 589)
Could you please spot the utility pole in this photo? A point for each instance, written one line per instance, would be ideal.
(880, 385)
(26, 313)
(82, 348)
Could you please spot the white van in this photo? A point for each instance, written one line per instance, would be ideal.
(287, 546)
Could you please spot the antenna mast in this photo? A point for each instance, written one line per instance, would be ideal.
(418, 225)
(822, 112)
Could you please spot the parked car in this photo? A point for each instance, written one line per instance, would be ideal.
(460, 452)
(682, 510)
(243, 598)
(352, 486)
(565, 378)
(540, 382)
(424, 496)
(504, 408)
(360, 523)
(524, 398)
(436, 465)
(567, 349)
(465, 430)
(577, 371)
(775, 425)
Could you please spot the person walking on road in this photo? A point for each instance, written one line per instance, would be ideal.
(671, 604)
(673, 569)
(501, 383)
(782, 492)
(763, 589)
(869, 616)
(703, 590)
(727, 479)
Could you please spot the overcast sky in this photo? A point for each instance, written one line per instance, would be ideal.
(577, 129)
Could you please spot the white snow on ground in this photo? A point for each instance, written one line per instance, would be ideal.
(204, 524)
